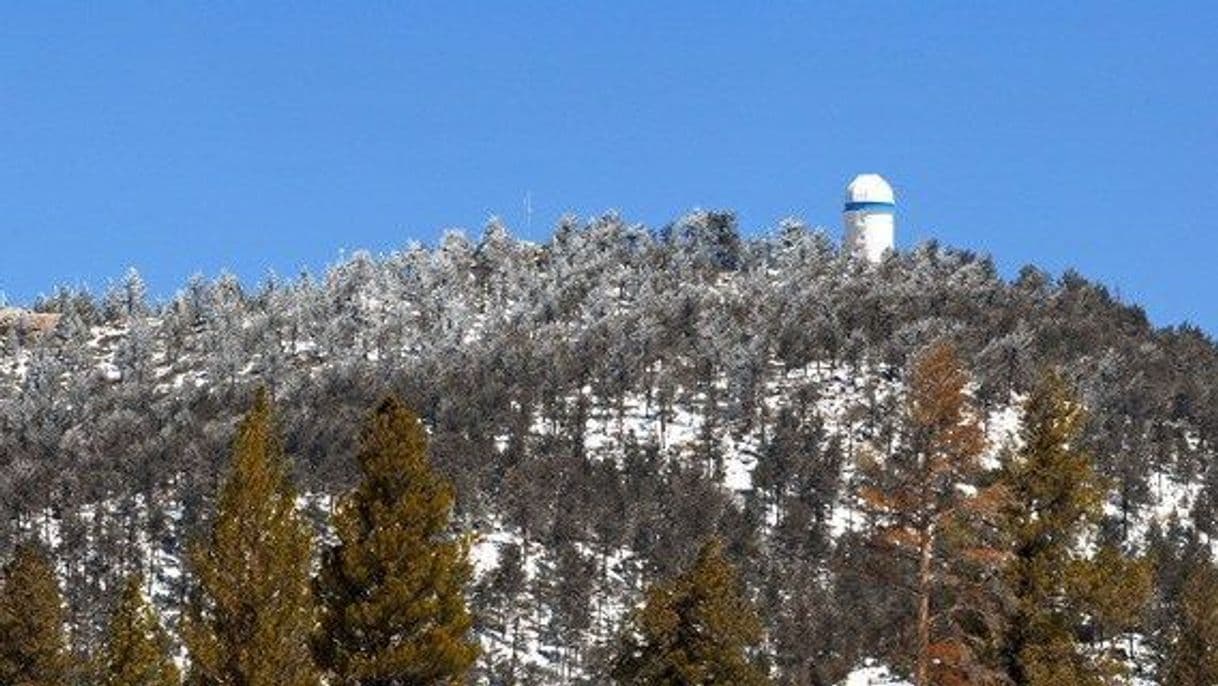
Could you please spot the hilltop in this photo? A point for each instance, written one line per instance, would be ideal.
(602, 402)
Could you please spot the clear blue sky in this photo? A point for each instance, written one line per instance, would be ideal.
(193, 139)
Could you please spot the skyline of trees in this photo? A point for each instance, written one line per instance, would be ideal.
(601, 404)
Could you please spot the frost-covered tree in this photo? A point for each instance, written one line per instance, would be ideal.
(127, 299)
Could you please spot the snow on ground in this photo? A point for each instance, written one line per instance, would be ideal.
(526, 635)
(1170, 497)
(1002, 431)
(872, 673)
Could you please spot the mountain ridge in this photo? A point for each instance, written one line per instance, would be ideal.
(601, 401)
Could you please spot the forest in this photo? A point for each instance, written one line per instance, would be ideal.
(682, 455)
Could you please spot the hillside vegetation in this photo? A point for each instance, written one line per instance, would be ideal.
(604, 404)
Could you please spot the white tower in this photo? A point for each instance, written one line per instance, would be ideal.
(868, 217)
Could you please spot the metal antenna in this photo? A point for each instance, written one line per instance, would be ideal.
(528, 212)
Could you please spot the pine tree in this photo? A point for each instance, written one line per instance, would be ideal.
(927, 504)
(1115, 587)
(33, 648)
(137, 650)
(252, 614)
(694, 630)
(392, 590)
(1192, 655)
(1055, 501)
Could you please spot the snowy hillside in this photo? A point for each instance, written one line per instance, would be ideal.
(602, 403)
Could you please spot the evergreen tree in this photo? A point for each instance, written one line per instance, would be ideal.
(567, 591)
(1192, 655)
(501, 596)
(1055, 500)
(694, 630)
(127, 299)
(137, 652)
(1115, 588)
(251, 617)
(926, 500)
(392, 590)
(33, 648)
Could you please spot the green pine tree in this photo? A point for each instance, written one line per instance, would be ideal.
(33, 648)
(1055, 500)
(1115, 589)
(694, 630)
(250, 620)
(137, 649)
(392, 590)
(1192, 658)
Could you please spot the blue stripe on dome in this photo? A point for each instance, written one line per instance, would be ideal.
(871, 207)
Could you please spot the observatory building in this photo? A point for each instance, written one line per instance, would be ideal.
(868, 217)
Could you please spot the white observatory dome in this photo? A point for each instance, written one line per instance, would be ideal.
(868, 216)
(869, 188)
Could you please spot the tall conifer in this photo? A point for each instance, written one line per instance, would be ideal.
(926, 503)
(33, 648)
(1050, 586)
(1192, 655)
(137, 648)
(392, 590)
(694, 630)
(250, 620)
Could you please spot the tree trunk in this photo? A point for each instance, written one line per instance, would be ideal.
(924, 588)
